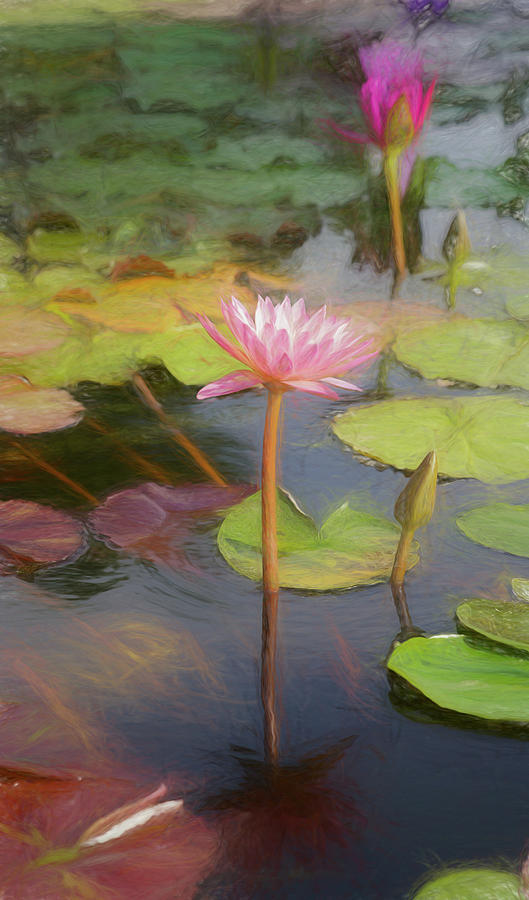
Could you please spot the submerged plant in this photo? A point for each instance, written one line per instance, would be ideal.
(395, 105)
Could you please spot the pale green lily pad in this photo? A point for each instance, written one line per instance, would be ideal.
(190, 355)
(501, 526)
(352, 547)
(471, 884)
(468, 434)
(456, 675)
(54, 280)
(65, 247)
(503, 621)
(480, 351)
(106, 358)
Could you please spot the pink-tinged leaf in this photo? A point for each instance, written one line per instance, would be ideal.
(35, 535)
(154, 520)
(26, 409)
(23, 332)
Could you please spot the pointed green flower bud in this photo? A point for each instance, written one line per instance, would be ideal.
(415, 504)
(456, 245)
(400, 130)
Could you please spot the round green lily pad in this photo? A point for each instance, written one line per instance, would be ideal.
(480, 351)
(352, 547)
(190, 355)
(456, 675)
(471, 884)
(474, 437)
(503, 621)
(501, 526)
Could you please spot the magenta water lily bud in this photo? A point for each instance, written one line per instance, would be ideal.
(395, 104)
(288, 347)
(394, 77)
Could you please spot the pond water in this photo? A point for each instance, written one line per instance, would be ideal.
(166, 138)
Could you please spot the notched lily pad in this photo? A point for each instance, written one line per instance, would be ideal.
(479, 351)
(26, 409)
(471, 884)
(154, 520)
(190, 355)
(503, 621)
(455, 674)
(352, 547)
(501, 526)
(468, 434)
(32, 535)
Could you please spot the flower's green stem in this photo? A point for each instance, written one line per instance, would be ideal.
(391, 171)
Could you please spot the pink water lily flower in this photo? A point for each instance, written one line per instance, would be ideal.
(285, 346)
(393, 73)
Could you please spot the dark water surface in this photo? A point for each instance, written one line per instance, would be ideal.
(221, 148)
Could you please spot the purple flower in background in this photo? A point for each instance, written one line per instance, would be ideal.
(418, 7)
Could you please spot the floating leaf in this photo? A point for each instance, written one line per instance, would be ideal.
(456, 675)
(467, 433)
(202, 293)
(501, 526)
(133, 305)
(34, 535)
(25, 409)
(189, 354)
(391, 318)
(96, 837)
(503, 621)
(471, 884)
(140, 266)
(108, 357)
(352, 547)
(64, 247)
(480, 351)
(23, 332)
(153, 520)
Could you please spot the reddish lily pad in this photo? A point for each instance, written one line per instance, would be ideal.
(26, 409)
(138, 266)
(100, 837)
(23, 332)
(153, 520)
(34, 535)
